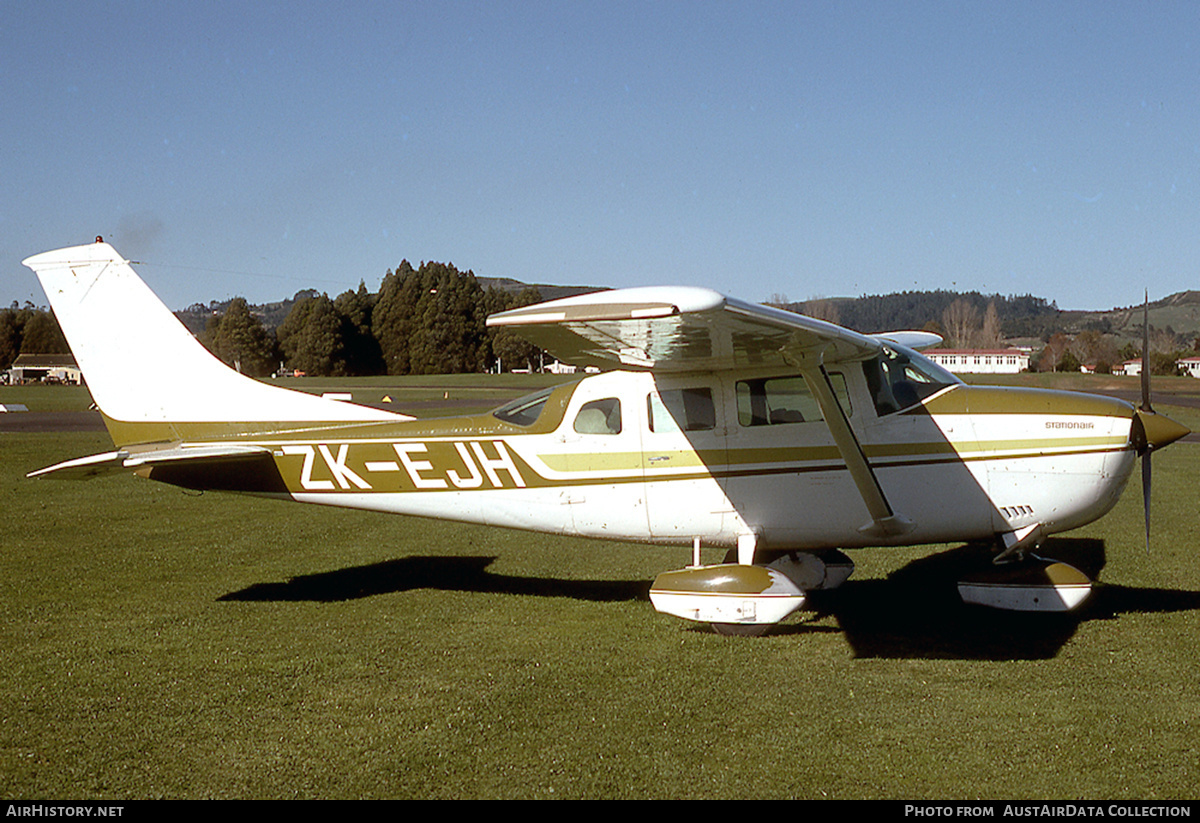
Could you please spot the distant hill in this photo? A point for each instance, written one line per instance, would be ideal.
(1024, 316)
(1020, 316)
(195, 317)
(548, 292)
(1178, 313)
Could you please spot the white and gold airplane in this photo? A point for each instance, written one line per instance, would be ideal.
(716, 423)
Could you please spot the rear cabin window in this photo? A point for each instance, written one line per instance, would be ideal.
(599, 417)
(681, 410)
(773, 401)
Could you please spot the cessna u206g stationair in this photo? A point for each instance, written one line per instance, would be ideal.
(718, 422)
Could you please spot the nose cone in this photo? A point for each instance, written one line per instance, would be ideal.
(1153, 431)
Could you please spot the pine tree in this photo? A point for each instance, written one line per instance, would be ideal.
(238, 338)
(430, 321)
(508, 349)
(362, 352)
(392, 319)
(42, 335)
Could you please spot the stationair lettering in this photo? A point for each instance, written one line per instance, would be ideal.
(427, 466)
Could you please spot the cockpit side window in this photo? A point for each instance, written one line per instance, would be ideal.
(899, 379)
(599, 417)
(772, 401)
(681, 409)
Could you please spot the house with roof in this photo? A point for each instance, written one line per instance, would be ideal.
(1189, 366)
(45, 368)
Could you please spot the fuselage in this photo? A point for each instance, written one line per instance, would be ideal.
(669, 458)
(732, 423)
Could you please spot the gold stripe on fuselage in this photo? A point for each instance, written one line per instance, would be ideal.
(486, 464)
(482, 452)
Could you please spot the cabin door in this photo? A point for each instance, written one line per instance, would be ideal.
(683, 440)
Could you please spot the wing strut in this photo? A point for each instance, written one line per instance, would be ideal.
(884, 521)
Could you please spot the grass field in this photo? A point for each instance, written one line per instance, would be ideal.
(159, 644)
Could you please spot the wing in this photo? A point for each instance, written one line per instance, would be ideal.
(680, 329)
(911, 339)
(693, 329)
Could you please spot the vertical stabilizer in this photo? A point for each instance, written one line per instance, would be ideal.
(143, 366)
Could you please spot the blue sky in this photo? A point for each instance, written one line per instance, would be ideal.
(810, 149)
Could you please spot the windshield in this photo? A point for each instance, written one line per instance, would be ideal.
(899, 378)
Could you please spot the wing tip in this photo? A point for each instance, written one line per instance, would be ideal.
(636, 303)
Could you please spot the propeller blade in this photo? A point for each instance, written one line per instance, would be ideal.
(1146, 494)
(1150, 431)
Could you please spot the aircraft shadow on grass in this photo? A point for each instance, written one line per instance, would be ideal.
(914, 613)
(464, 574)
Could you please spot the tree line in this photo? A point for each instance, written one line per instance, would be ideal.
(427, 320)
(1014, 315)
(430, 320)
(29, 330)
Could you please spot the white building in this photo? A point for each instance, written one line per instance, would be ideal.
(53, 368)
(980, 361)
(558, 367)
(1189, 366)
(1130, 368)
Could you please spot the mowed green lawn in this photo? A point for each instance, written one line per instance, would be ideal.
(159, 644)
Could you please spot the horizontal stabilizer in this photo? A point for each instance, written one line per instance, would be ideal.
(85, 468)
